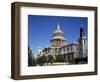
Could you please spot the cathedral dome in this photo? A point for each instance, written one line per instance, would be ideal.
(58, 34)
(58, 38)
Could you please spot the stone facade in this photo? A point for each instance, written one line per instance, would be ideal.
(71, 52)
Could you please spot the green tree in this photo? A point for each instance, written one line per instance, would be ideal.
(60, 58)
(29, 57)
(41, 60)
(33, 61)
(50, 59)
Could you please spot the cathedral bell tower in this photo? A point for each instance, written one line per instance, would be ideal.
(82, 44)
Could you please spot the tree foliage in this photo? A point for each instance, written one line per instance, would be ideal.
(41, 60)
(31, 59)
(60, 58)
(50, 59)
(33, 62)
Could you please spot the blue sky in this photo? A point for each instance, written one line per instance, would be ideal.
(40, 29)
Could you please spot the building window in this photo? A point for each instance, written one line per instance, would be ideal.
(71, 48)
(68, 49)
(64, 49)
